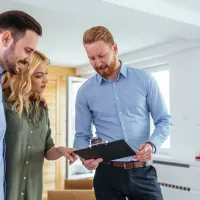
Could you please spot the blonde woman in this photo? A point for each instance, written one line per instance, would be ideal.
(28, 134)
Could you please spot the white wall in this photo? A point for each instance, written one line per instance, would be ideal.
(183, 59)
(185, 102)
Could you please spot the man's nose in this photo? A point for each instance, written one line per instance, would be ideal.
(98, 63)
(29, 58)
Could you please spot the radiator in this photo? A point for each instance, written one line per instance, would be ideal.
(178, 180)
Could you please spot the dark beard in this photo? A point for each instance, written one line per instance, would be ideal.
(9, 60)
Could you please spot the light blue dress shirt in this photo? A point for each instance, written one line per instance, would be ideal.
(2, 143)
(121, 110)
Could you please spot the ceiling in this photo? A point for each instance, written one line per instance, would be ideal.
(135, 24)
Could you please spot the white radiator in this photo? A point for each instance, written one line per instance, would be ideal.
(179, 179)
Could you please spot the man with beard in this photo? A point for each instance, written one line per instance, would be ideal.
(118, 101)
(19, 34)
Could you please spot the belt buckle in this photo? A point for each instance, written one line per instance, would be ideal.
(125, 166)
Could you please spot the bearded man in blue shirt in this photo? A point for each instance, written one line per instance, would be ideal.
(118, 101)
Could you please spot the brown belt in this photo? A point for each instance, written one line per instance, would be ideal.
(126, 165)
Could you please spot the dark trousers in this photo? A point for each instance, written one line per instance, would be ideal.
(116, 183)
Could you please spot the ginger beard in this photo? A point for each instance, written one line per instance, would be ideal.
(106, 70)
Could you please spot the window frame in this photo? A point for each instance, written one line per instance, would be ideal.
(70, 80)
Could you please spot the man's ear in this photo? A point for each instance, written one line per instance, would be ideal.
(7, 38)
(115, 48)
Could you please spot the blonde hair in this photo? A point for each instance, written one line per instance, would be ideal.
(98, 33)
(16, 87)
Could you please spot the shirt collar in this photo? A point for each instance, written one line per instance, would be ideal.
(2, 71)
(123, 71)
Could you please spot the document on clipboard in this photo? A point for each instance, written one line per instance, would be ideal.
(107, 151)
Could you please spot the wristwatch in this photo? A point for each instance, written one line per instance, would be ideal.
(153, 147)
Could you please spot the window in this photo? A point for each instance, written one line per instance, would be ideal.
(162, 76)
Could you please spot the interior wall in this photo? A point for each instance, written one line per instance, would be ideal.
(55, 95)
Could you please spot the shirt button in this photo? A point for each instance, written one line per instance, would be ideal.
(31, 132)
(124, 128)
(22, 193)
(24, 178)
(27, 162)
(120, 113)
(29, 120)
(117, 98)
(29, 147)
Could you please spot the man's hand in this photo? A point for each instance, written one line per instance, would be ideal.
(91, 164)
(68, 153)
(144, 153)
(44, 103)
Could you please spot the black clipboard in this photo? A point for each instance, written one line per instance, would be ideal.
(107, 151)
